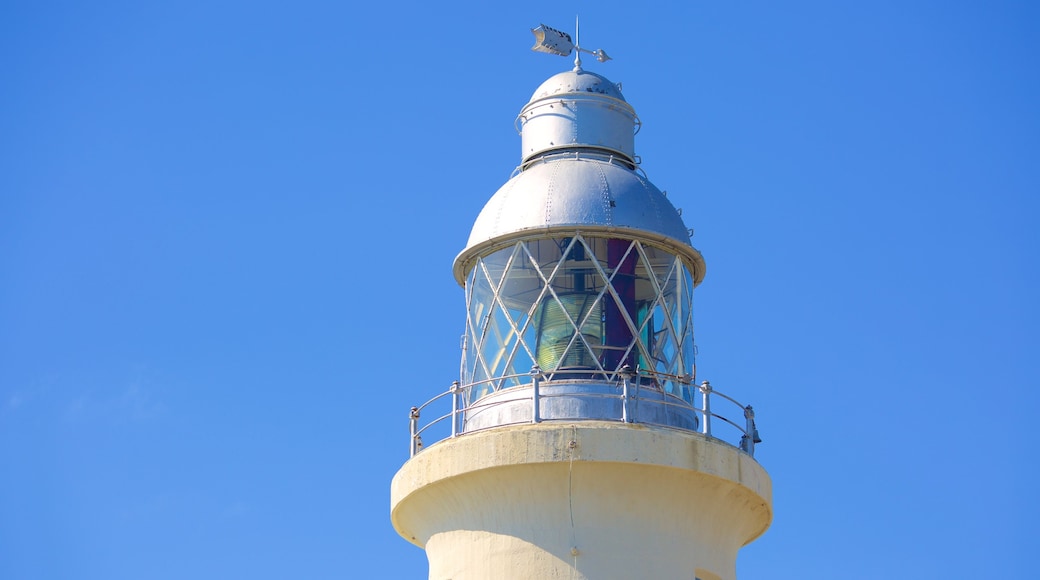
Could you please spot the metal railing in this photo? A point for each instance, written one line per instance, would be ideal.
(450, 414)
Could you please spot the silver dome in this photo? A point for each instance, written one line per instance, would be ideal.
(581, 81)
(569, 192)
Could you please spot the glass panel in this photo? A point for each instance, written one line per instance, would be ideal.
(689, 364)
(496, 342)
(496, 264)
(557, 322)
(480, 299)
(620, 309)
(664, 346)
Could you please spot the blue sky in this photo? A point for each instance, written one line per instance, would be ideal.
(227, 230)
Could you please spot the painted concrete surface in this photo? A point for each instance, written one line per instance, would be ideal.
(594, 500)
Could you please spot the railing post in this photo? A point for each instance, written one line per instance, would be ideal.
(413, 423)
(454, 408)
(536, 376)
(747, 442)
(706, 407)
(633, 408)
(626, 375)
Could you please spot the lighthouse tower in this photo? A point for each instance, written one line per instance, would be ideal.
(577, 442)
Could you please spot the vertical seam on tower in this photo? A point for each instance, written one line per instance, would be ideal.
(570, 496)
(574, 125)
(501, 206)
(605, 195)
(654, 201)
(549, 193)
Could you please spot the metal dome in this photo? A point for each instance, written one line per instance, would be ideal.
(580, 81)
(567, 192)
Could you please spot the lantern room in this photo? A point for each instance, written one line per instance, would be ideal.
(579, 273)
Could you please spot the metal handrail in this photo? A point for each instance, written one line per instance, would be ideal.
(748, 432)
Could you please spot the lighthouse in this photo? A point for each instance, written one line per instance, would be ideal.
(578, 442)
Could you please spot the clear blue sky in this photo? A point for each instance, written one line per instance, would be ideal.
(227, 230)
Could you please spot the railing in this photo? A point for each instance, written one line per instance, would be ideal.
(450, 414)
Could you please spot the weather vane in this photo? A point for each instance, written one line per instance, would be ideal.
(557, 42)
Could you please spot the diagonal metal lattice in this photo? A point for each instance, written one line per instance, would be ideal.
(512, 293)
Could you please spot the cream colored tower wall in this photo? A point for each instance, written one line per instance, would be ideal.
(591, 500)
